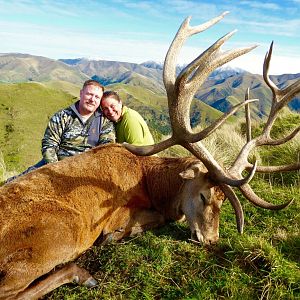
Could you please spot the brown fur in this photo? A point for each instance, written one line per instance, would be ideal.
(163, 188)
(50, 216)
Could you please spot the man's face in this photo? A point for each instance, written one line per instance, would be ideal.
(111, 108)
(90, 98)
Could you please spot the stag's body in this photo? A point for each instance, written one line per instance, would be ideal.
(50, 216)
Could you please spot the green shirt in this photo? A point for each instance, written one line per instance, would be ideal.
(132, 128)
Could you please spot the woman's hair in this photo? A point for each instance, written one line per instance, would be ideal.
(111, 94)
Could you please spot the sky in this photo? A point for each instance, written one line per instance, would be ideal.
(139, 31)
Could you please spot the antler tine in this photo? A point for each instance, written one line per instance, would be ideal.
(267, 79)
(150, 149)
(217, 123)
(201, 59)
(253, 198)
(188, 86)
(280, 97)
(185, 30)
(273, 169)
(248, 118)
(216, 59)
(285, 139)
(235, 202)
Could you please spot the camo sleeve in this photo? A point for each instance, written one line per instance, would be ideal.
(108, 133)
(52, 137)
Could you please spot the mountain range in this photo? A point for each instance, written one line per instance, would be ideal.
(32, 88)
(142, 83)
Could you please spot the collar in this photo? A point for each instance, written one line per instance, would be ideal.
(74, 106)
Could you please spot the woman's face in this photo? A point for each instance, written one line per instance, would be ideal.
(111, 108)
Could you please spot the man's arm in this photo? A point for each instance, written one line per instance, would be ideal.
(108, 133)
(52, 138)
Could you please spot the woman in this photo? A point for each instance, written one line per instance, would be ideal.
(129, 124)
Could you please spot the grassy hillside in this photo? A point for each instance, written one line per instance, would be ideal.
(153, 107)
(224, 93)
(16, 67)
(262, 263)
(24, 112)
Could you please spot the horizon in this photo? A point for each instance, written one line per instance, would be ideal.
(140, 31)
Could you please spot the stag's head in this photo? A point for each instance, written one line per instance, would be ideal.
(201, 203)
(203, 218)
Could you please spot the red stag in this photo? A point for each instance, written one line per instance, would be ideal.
(50, 216)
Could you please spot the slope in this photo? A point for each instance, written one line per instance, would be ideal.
(16, 67)
(24, 112)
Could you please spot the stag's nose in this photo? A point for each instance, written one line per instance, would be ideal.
(211, 241)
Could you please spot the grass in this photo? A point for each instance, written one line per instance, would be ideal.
(263, 263)
(25, 109)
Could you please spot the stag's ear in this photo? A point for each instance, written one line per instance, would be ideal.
(192, 172)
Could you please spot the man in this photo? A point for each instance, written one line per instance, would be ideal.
(76, 128)
(130, 125)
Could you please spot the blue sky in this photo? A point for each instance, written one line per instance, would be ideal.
(137, 31)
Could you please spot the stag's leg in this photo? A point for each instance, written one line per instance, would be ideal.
(127, 221)
(69, 273)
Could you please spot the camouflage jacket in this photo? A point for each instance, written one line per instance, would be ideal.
(67, 134)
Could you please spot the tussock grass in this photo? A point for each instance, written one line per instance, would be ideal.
(263, 263)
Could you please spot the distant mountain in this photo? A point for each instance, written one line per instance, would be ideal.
(223, 88)
(153, 65)
(109, 72)
(16, 67)
(222, 94)
(227, 71)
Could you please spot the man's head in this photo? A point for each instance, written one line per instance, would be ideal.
(111, 105)
(90, 96)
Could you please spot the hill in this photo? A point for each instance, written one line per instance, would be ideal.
(24, 112)
(109, 72)
(26, 108)
(223, 88)
(154, 108)
(16, 67)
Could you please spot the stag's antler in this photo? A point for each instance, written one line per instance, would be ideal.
(281, 97)
(180, 93)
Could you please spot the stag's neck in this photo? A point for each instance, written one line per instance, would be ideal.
(164, 183)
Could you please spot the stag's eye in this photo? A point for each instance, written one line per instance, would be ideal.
(203, 198)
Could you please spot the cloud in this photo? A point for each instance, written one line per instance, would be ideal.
(261, 5)
(136, 31)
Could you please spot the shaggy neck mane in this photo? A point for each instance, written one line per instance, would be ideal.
(163, 181)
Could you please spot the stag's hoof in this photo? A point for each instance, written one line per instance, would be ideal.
(90, 282)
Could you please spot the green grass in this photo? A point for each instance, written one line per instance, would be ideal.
(263, 263)
(25, 109)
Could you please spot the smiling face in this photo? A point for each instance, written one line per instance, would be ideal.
(112, 108)
(90, 97)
